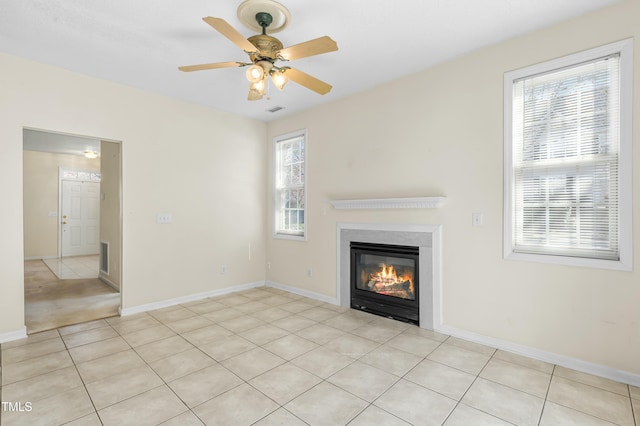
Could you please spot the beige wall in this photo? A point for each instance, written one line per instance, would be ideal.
(439, 132)
(41, 197)
(204, 166)
(110, 211)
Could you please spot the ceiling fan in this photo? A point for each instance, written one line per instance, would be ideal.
(265, 50)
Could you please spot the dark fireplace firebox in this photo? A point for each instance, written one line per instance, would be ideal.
(384, 280)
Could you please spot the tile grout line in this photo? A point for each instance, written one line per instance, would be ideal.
(477, 376)
(397, 381)
(75, 365)
(633, 412)
(546, 395)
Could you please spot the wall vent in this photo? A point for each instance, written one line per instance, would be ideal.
(275, 109)
(104, 257)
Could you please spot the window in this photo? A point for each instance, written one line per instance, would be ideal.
(290, 185)
(568, 159)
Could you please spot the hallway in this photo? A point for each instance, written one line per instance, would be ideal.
(51, 302)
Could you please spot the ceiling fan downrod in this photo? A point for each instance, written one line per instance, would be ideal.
(264, 19)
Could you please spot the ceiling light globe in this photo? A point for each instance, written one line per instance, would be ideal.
(255, 73)
(279, 79)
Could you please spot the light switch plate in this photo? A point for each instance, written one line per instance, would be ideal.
(477, 219)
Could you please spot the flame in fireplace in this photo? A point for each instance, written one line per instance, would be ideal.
(387, 281)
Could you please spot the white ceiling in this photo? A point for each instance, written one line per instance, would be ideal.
(141, 43)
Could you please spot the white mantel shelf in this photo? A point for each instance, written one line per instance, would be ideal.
(389, 203)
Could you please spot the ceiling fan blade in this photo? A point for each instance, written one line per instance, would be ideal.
(213, 66)
(313, 47)
(308, 81)
(231, 33)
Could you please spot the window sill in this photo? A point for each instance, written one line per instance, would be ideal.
(290, 237)
(616, 265)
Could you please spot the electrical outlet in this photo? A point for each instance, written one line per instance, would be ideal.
(223, 269)
(309, 272)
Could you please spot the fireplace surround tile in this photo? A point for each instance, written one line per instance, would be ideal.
(425, 237)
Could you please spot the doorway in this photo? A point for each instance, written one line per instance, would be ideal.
(72, 213)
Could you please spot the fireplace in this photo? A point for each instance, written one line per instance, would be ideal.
(385, 280)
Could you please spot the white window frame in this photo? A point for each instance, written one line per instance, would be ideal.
(277, 232)
(625, 49)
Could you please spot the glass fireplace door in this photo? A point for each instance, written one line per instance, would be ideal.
(387, 275)
(384, 280)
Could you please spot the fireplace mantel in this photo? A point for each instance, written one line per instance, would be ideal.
(389, 203)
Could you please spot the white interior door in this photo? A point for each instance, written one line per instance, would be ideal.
(80, 218)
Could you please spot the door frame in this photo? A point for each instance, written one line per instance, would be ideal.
(120, 258)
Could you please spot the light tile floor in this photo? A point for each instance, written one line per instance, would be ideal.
(267, 357)
(74, 267)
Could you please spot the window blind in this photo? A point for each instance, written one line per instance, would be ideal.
(566, 143)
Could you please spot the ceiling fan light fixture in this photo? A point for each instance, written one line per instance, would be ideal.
(255, 73)
(279, 79)
(257, 90)
(259, 71)
(265, 50)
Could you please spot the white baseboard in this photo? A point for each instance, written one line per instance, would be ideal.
(550, 357)
(305, 293)
(108, 282)
(41, 257)
(13, 335)
(191, 298)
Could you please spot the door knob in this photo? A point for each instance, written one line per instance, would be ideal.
(64, 222)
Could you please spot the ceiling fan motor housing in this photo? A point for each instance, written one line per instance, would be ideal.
(268, 47)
